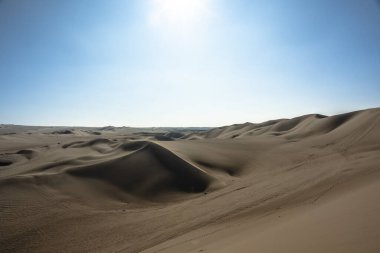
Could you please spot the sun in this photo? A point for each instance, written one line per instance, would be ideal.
(178, 13)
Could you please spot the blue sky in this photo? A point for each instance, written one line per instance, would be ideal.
(185, 62)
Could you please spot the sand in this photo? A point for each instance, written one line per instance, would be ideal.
(307, 184)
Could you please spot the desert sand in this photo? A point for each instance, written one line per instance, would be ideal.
(307, 184)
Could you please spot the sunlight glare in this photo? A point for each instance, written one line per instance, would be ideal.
(181, 14)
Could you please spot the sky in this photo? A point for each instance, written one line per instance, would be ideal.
(145, 63)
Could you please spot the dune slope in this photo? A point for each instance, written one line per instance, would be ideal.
(128, 192)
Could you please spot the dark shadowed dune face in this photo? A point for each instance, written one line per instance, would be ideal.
(127, 191)
(29, 154)
(133, 145)
(5, 162)
(63, 132)
(149, 171)
(15, 158)
(227, 169)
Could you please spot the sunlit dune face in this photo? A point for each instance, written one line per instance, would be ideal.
(180, 14)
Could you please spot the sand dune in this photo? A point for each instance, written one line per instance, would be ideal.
(151, 171)
(304, 126)
(233, 188)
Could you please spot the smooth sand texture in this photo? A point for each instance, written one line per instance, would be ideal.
(348, 222)
(308, 184)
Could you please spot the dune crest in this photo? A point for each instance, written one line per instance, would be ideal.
(148, 172)
(195, 190)
(303, 126)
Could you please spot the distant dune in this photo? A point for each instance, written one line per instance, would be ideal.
(307, 184)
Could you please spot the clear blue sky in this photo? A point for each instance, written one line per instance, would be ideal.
(185, 62)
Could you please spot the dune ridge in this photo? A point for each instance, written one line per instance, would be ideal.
(128, 192)
(148, 171)
(303, 126)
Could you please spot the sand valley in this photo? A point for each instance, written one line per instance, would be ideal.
(307, 184)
